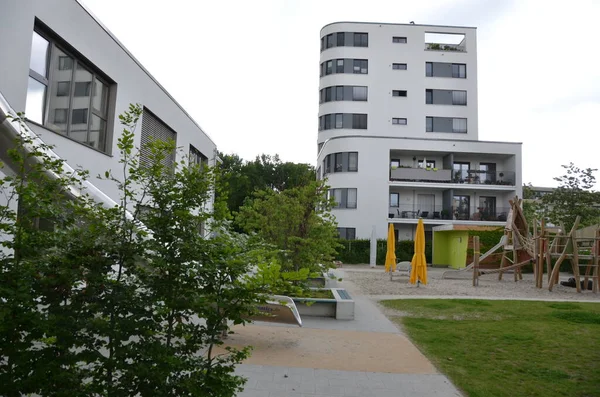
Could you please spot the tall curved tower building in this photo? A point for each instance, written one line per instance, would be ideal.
(398, 135)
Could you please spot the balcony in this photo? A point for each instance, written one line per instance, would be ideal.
(457, 213)
(420, 174)
(444, 47)
(482, 177)
(441, 41)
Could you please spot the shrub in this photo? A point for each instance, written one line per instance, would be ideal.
(358, 251)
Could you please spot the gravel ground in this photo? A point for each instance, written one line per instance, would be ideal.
(376, 282)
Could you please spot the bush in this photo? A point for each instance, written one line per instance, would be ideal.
(358, 251)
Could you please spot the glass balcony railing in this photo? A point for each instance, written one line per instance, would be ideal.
(420, 174)
(482, 214)
(481, 177)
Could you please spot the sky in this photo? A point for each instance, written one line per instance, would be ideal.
(247, 71)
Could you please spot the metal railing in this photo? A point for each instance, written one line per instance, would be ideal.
(481, 177)
(464, 213)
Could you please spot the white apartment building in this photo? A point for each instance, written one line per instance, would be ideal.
(398, 135)
(72, 78)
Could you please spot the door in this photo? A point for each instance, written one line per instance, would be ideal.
(489, 174)
(487, 208)
(426, 204)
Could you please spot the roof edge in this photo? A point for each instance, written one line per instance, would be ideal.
(399, 24)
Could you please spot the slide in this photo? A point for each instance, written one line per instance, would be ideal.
(278, 309)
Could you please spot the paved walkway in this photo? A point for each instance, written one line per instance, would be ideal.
(368, 356)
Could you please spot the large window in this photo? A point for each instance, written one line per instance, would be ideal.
(462, 207)
(355, 121)
(461, 171)
(347, 233)
(343, 93)
(446, 124)
(446, 69)
(446, 97)
(340, 162)
(344, 65)
(344, 197)
(344, 39)
(66, 95)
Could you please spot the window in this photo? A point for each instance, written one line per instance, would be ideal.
(339, 66)
(429, 124)
(462, 207)
(396, 39)
(398, 66)
(461, 171)
(394, 163)
(196, 157)
(359, 121)
(398, 121)
(65, 95)
(359, 93)
(361, 66)
(459, 125)
(154, 129)
(426, 164)
(352, 161)
(340, 39)
(347, 233)
(328, 67)
(343, 120)
(319, 147)
(329, 40)
(394, 199)
(361, 39)
(338, 163)
(445, 69)
(445, 124)
(459, 98)
(344, 198)
(399, 93)
(459, 70)
(428, 96)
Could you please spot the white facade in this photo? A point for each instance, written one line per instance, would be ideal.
(421, 112)
(92, 92)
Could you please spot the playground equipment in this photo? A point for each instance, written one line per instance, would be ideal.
(280, 309)
(544, 246)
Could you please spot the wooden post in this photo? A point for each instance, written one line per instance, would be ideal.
(596, 254)
(475, 261)
(515, 255)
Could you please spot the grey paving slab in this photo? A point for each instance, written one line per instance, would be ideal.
(308, 382)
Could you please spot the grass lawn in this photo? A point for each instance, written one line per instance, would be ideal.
(509, 348)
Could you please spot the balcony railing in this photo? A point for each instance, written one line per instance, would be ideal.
(481, 214)
(445, 47)
(420, 174)
(473, 177)
(479, 177)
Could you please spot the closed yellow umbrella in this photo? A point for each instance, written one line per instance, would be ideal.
(418, 272)
(390, 256)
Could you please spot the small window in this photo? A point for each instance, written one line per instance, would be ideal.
(329, 68)
(399, 93)
(340, 39)
(339, 66)
(398, 121)
(459, 125)
(339, 120)
(338, 164)
(429, 97)
(397, 39)
(459, 98)
(65, 63)
(394, 199)
(352, 161)
(329, 39)
(60, 115)
(339, 93)
(398, 66)
(83, 88)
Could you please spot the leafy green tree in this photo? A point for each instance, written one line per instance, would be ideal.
(532, 208)
(111, 302)
(266, 172)
(573, 197)
(297, 221)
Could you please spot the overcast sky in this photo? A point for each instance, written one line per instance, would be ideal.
(247, 71)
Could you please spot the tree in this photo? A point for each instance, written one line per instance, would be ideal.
(573, 197)
(120, 301)
(265, 172)
(296, 221)
(532, 209)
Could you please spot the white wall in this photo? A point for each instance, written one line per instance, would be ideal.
(74, 25)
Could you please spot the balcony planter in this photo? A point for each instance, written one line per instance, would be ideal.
(340, 306)
(445, 214)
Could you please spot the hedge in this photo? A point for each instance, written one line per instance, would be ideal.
(358, 251)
